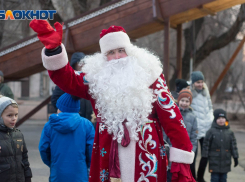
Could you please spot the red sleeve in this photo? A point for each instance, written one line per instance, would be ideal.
(170, 116)
(173, 125)
(70, 81)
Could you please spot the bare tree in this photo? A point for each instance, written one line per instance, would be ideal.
(48, 5)
(211, 43)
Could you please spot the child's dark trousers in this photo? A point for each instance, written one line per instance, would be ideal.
(218, 177)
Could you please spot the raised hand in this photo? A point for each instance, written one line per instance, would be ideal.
(46, 33)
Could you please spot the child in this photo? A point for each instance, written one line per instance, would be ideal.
(66, 142)
(203, 109)
(14, 164)
(218, 147)
(179, 84)
(190, 123)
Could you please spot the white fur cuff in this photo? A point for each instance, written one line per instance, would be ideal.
(114, 40)
(55, 62)
(181, 156)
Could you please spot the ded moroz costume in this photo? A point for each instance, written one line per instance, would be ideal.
(132, 103)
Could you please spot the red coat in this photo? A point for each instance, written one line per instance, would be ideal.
(150, 157)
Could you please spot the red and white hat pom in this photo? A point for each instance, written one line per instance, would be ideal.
(113, 38)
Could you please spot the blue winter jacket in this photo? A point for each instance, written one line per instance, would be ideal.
(66, 147)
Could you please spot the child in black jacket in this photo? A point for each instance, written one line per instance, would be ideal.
(219, 146)
(14, 164)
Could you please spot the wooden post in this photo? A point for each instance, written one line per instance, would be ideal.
(179, 51)
(166, 50)
(66, 36)
(228, 65)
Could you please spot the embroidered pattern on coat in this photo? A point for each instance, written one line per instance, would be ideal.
(77, 72)
(162, 151)
(162, 101)
(102, 152)
(85, 82)
(148, 141)
(182, 123)
(104, 175)
(143, 144)
(102, 127)
(147, 166)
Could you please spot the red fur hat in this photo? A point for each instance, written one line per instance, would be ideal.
(112, 38)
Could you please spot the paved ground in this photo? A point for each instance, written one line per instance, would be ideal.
(32, 132)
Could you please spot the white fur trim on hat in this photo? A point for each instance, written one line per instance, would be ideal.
(55, 62)
(181, 156)
(114, 40)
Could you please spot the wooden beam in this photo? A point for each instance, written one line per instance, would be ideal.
(228, 65)
(137, 17)
(173, 7)
(166, 49)
(207, 10)
(32, 112)
(179, 51)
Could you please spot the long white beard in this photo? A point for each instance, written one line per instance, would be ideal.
(121, 91)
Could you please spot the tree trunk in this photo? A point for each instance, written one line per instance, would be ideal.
(215, 43)
(48, 5)
(188, 34)
(1, 31)
(104, 1)
(210, 45)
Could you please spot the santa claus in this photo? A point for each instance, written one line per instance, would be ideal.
(132, 103)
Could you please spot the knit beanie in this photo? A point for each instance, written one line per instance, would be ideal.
(1, 73)
(180, 84)
(219, 113)
(75, 58)
(113, 38)
(5, 102)
(196, 75)
(185, 93)
(67, 104)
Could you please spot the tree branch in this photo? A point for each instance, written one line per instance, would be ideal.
(215, 43)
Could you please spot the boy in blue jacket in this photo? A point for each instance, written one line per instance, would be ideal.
(66, 142)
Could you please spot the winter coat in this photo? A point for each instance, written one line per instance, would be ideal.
(6, 91)
(218, 146)
(190, 124)
(203, 109)
(141, 160)
(86, 109)
(66, 147)
(14, 164)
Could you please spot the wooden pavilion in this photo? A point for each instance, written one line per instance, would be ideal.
(138, 17)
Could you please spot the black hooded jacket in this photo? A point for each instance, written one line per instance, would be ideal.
(218, 146)
(14, 164)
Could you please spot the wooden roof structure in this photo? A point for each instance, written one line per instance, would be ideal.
(138, 17)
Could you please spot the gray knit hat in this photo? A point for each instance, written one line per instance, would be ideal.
(4, 102)
(196, 75)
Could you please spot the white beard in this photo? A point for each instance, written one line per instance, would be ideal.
(121, 91)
